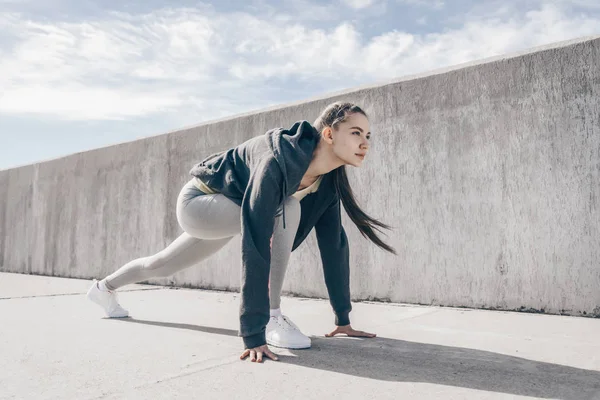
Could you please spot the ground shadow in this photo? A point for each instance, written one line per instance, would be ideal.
(403, 361)
(207, 329)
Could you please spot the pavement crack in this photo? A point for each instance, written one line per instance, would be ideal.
(192, 372)
(183, 374)
(67, 294)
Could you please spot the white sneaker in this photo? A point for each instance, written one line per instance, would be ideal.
(282, 332)
(107, 300)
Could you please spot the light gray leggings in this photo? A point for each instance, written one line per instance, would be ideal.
(209, 222)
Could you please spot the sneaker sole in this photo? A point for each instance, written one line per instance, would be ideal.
(275, 344)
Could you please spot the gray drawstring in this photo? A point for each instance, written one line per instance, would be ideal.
(284, 199)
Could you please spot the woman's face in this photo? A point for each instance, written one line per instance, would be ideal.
(351, 139)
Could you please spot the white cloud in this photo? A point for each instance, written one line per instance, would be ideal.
(86, 102)
(206, 64)
(589, 4)
(295, 11)
(434, 4)
(359, 4)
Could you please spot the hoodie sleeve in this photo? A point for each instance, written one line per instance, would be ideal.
(335, 255)
(262, 197)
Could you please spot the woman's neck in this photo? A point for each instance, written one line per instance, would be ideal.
(323, 161)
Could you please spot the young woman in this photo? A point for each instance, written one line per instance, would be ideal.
(273, 189)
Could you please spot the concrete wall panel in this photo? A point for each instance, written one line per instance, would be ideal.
(489, 172)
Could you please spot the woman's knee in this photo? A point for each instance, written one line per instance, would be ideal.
(155, 266)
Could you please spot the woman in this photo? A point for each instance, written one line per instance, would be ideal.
(279, 185)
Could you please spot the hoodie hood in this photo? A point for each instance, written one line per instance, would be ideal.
(293, 149)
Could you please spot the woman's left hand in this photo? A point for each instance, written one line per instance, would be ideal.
(348, 330)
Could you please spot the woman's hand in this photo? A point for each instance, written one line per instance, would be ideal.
(256, 354)
(348, 330)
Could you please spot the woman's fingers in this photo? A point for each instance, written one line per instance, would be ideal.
(258, 354)
(271, 355)
(333, 333)
(363, 334)
(350, 332)
(360, 334)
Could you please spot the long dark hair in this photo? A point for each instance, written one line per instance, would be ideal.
(332, 116)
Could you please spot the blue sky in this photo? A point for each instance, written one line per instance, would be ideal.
(81, 74)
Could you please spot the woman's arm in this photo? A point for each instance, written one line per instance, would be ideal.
(335, 255)
(262, 197)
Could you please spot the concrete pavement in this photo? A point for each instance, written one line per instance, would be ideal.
(181, 343)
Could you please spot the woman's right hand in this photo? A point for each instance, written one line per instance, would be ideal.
(256, 354)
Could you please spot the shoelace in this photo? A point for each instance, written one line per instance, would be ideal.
(289, 325)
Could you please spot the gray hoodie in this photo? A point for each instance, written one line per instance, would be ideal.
(258, 175)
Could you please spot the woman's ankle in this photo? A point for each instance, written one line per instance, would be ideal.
(275, 312)
(102, 285)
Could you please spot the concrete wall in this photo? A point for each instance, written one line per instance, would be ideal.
(490, 173)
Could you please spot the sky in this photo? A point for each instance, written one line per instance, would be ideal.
(82, 74)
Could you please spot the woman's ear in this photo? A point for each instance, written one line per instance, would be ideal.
(327, 135)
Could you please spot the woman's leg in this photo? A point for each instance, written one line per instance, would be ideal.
(182, 253)
(281, 249)
(281, 331)
(209, 222)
